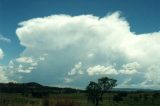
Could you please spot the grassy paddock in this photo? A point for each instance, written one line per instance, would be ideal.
(110, 99)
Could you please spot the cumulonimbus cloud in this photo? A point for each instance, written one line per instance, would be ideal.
(92, 40)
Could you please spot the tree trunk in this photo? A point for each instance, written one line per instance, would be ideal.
(101, 97)
(97, 102)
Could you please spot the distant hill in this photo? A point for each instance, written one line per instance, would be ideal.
(134, 90)
(34, 89)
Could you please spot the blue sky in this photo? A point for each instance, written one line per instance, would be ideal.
(115, 38)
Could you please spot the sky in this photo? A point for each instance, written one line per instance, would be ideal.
(68, 43)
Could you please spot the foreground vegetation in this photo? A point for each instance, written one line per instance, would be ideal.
(34, 94)
(80, 99)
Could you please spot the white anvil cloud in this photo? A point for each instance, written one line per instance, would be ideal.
(70, 39)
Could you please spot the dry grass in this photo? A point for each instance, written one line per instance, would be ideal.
(66, 102)
(59, 102)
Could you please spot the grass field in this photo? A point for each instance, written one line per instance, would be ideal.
(110, 99)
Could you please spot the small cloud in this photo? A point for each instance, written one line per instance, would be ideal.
(24, 64)
(23, 69)
(34, 64)
(41, 58)
(24, 60)
(153, 74)
(90, 55)
(3, 77)
(127, 81)
(67, 80)
(4, 39)
(76, 70)
(11, 64)
(102, 70)
(130, 68)
(1, 54)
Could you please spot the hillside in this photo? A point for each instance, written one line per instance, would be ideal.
(34, 89)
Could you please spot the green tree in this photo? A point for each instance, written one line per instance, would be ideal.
(106, 84)
(95, 91)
